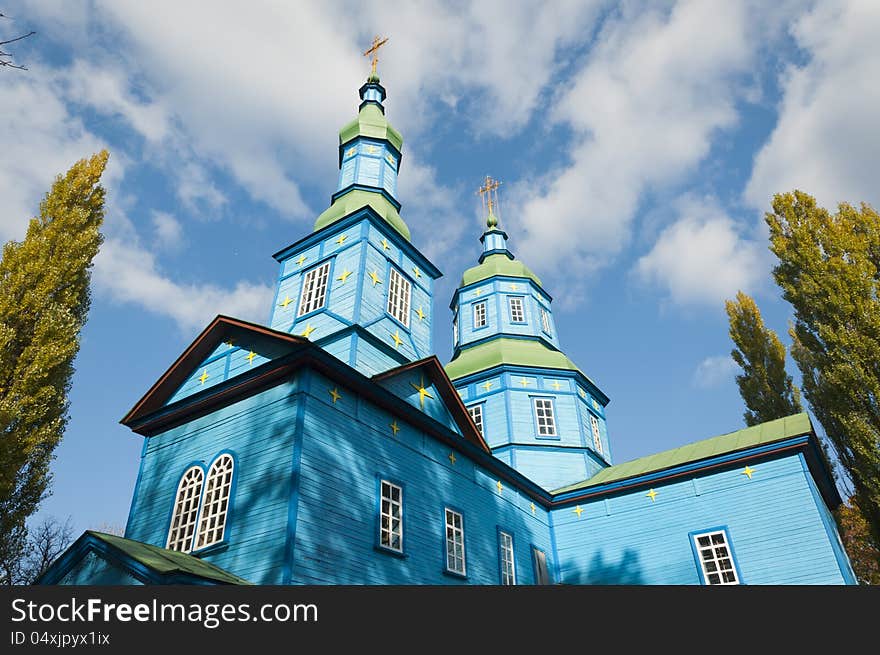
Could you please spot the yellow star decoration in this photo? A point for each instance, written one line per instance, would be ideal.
(487, 385)
(420, 387)
(385, 245)
(285, 302)
(374, 276)
(748, 471)
(334, 393)
(582, 393)
(301, 259)
(251, 356)
(556, 385)
(478, 292)
(204, 376)
(371, 149)
(500, 486)
(532, 507)
(652, 495)
(452, 458)
(308, 331)
(514, 287)
(395, 428)
(577, 510)
(341, 239)
(389, 158)
(350, 152)
(421, 314)
(397, 339)
(230, 343)
(342, 278)
(524, 382)
(417, 272)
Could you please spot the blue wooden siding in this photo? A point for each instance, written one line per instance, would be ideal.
(95, 570)
(225, 362)
(401, 385)
(775, 529)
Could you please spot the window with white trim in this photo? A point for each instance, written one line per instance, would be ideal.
(544, 417)
(399, 290)
(479, 314)
(391, 516)
(476, 412)
(215, 504)
(517, 312)
(455, 330)
(597, 437)
(454, 542)
(186, 510)
(545, 320)
(505, 554)
(314, 289)
(539, 560)
(715, 558)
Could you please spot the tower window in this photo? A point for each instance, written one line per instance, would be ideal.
(186, 510)
(215, 505)
(505, 555)
(476, 412)
(544, 417)
(597, 437)
(455, 330)
(715, 557)
(479, 314)
(455, 542)
(517, 313)
(314, 289)
(391, 516)
(545, 320)
(399, 290)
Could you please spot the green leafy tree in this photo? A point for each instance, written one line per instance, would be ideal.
(44, 301)
(862, 548)
(829, 270)
(764, 385)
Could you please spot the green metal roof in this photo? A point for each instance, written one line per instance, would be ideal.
(371, 122)
(497, 264)
(756, 435)
(167, 561)
(517, 352)
(355, 199)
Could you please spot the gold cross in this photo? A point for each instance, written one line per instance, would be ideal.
(374, 276)
(342, 278)
(582, 393)
(420, 387)
(421, 314)
(301, 259)
(341, 239)
(204, 376)
(251, 356)
(652, 495)
(524, 382)
(487, 385)
(556, 385)
(748, 471)
(514, 287)
(478, 292)
(532, 506)
(285, 302)
(416, 271)
(308, 331)
(577, 510)
(385, 245)
(500, 486)
(334, 393)
(373, 50)
(397, 339)
(395, 428)
(452, 458)
(350, 152)
(486, 192)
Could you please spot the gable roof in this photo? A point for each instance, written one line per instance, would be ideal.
(161, 564)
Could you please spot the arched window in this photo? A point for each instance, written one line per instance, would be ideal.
(216, 502)
(186, 510)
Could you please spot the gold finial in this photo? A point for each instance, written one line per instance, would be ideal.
(489, 195)
(373, 50)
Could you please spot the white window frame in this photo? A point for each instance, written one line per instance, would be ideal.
(521, 309)
(507, 558)
(399, 295)
(545, 320)
(215, 502)
(184, 517)
(455, 330)
(454, 538)
(480, 314)
(390, 510)
(314, 289)
(545, 417)
(476, 412)
(597, 436)
(715, 558)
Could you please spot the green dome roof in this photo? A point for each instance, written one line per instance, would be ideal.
(497, 264)
(371, 122)
(355, 199)
(517, 352)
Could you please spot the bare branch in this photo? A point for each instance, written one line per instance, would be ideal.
(18, 38)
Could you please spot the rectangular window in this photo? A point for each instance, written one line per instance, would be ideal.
(539, 559)
(476, 412)
(517, 313)
(597, 437)
(544, 417)
(505, 554)
(455, 330)
(454, 542)
(391, 517)
(545, 320)
(716, 560)
(314, 289)
(479, 314)
(399, 290)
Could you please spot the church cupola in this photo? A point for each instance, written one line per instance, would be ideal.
(538, 411)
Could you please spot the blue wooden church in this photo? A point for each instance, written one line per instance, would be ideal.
(331, 446)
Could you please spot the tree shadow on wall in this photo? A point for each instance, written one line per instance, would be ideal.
(627, 571)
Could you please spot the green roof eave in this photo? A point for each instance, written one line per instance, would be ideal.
(757, 435)
(516, 352)
(371, 122)
(356, 199)
(497, 264)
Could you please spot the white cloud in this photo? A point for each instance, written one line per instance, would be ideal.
(169, 231)
(714, 371)
(701, 258)
(826, 139)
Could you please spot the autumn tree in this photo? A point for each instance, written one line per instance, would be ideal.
(862, 548)
(765, 387)
(44, 301)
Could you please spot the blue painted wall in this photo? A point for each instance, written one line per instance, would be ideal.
(95, 570)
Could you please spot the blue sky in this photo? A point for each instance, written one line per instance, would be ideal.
(639, 144)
